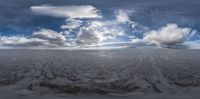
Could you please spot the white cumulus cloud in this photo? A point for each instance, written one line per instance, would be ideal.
(51, 36)
(83, 11)
(97, 32)
(168, 35)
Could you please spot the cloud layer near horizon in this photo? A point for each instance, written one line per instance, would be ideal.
(42, 38)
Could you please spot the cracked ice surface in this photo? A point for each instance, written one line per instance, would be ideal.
(101, 71)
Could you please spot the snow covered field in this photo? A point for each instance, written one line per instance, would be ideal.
(89, 74)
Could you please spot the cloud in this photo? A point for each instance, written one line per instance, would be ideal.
(169, 35)
(51, 36)
(137, 43)
(122, 16)
(42, 38)
(88, 37)
(97, 32)
(77, 31)
(19, 41)
(84, 11)
(193, 44)
(94, 33)
(71, 24)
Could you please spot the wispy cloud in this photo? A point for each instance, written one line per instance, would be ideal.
(20, 41)
(122, 16)
(84, 11)
(193, 44)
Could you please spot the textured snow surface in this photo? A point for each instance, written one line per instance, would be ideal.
(118, 72)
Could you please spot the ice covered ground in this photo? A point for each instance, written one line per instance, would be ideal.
(89, 74)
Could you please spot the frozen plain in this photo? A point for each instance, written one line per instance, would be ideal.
(111, 74)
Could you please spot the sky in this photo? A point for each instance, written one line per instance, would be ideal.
(73, 23)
